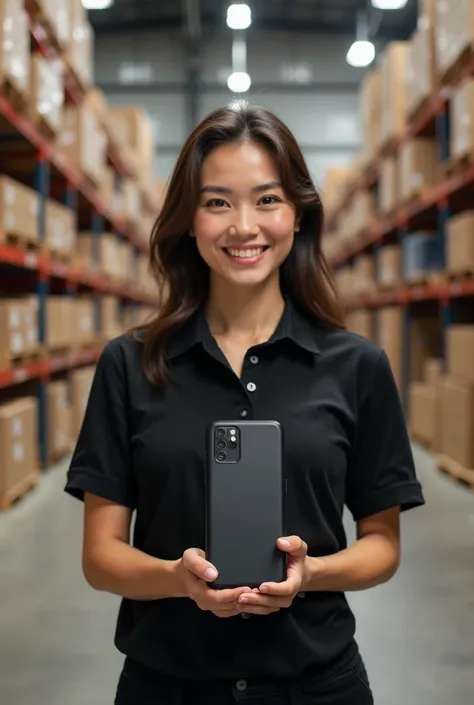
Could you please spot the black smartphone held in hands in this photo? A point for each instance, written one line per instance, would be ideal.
(246, 489)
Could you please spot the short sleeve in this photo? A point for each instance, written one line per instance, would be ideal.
(382, 472)
(101, 463)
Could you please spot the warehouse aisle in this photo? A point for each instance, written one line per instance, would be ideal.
(55, 646)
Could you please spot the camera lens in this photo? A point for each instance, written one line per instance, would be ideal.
(221, 455)
(220, 432)
(220, 444)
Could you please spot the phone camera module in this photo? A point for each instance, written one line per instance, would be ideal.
(220, 432)
(221, 456)
(221, 444)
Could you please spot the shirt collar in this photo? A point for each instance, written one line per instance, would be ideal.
(294, 325)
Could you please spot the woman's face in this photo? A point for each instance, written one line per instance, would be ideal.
(244, 225)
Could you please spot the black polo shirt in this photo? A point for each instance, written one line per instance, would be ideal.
(345, 444)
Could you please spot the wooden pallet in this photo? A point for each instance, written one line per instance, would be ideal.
(36, 12)
(17, 492)
(25, 358)
(22, 242)
(44, 127)
(456, 67)
(418, 109)
(416, 194)
(460, 276)
(459, 165)
(15, 97)
(425, 280)
(450, 467)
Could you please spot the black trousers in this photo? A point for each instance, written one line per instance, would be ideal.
(347, 687)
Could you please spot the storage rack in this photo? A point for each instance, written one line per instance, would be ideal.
(24, 270)
(430, 211)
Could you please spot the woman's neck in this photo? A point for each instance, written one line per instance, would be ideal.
(245, 313)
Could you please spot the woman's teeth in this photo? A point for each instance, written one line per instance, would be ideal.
(245, 253)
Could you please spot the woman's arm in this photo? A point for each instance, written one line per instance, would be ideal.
(371, 561)
(110, 564)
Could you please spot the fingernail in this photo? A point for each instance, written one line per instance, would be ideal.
(243, 599)
(285, 543)
(263, 588)
(210, 574)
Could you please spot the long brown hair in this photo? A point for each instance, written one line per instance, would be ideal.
(174, 258)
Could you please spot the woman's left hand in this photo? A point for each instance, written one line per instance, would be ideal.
(271, 597)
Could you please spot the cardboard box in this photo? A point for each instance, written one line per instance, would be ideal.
(140, 138)
(390, 338)
(80, 50)
(80, 386)
(84, 320)
(460, 351)
(364, 274)
(18, 442)
(419, 167)
(111, 322)
(389, 185)
(82, 142)
(424, 413)
(460, 243)
(19, 330)
(433, 372)
(47, 93)
(457, 420)
(15, 46)
(60, 322)
(424, 341)
(361, 323)
(421, 61)
(462, 120)
(389, 265)
(393, 91)
(99, 253)
(60, 229)
(19, 211)
(454, 31)
(58, 419)
(371, 109)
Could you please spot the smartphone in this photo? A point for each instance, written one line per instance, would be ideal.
(245, 498)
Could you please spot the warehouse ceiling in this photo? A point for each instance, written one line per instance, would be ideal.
(328, 16)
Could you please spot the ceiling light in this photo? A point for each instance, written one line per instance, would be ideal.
(361, 54)
(97, 4)
(389, 4)
(239, 82)
(239, 16)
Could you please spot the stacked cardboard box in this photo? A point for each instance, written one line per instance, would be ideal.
(457, 397)
(18, 328)
(19, 211)
(47, 93)
(110, 317)
(60, 229)
(389, 185)
(14, 46)
(371, 112)
(99, 253)
(421, 66)
(84, 312)
(419, 167)
(18, 444)
(393, 91)
(80, 385)
(424, 405)
(460, 243)
(390, 338)
(58, 419)
(361, 323)
(139, 139)
(389, 265)
(454, 32)
(80, 50)
(82, 142)
(363, 275)
(60, 323)
(462, 121)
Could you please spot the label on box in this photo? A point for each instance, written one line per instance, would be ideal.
(10, 220)
(18, 452)
(28, 318)
(15, 318)
(10, 195)
(17, 427)
(32, 336)
(16, 343)
(34, 207)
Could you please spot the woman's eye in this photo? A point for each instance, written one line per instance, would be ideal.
(269, 200)
(216, 203)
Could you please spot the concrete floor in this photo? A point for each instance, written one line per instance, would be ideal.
(416, 633)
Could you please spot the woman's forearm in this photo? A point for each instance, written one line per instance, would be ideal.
(125, 571)
(371, 561)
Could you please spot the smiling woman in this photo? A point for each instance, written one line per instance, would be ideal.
(241, 209)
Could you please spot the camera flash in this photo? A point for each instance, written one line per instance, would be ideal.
(232, 431)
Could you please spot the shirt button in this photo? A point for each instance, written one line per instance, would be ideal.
(251, 386)
(245, 615)
(241, 685)
(244, 413)
(301, 595)
(254, 359)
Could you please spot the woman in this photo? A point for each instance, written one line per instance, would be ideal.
(249, 328)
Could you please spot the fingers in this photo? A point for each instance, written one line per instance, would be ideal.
(250, 601)
(293, 545)
(194, 560)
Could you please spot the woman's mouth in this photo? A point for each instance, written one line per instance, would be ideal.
(246, 255)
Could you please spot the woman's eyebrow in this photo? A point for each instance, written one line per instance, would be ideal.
(256, 189)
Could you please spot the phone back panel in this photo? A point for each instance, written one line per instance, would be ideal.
(245, 507)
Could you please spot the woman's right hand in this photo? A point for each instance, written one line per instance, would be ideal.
(196, 572)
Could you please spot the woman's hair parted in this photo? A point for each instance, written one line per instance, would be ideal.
(177, 266)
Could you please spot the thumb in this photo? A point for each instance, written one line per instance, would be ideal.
(293, 545)
(194, 560)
